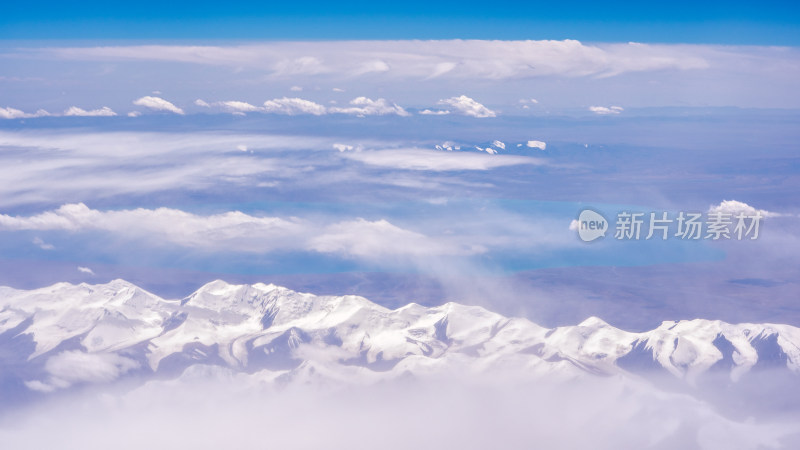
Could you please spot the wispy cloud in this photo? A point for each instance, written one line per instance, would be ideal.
(66, 166)
(433, 160)
(85, 270)
(414, 59)
(377, 239)
(39, 242)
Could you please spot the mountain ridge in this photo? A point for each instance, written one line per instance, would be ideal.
(65, 334)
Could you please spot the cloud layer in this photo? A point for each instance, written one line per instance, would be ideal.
(493, 60)
(239, 232)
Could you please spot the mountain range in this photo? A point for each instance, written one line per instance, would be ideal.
(66, 335)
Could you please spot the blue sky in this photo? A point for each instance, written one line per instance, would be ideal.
(763, 23)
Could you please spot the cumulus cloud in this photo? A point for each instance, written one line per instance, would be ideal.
(293, 106)
(734, 208)
(603, 110)
(105, 111)
(134, 114)
(12, 113)
(432, 160)
(237, 106)
(158, 104)
(202, 103)
(537, 144)
(468, 107)
(296, 88)
(363, 106)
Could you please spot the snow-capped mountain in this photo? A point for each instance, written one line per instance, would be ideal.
(65, 335)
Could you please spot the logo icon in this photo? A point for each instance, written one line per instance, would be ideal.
(591, 225)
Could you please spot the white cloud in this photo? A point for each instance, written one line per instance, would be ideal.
(231, 230)
(39, 242)
(419, 159)
(573, 226)
(296, 88)
(337, 90)
(70, 367)
(85, 270)
(448, 145)
(343, 147)
(237, 106)
(202, 103)
(105, 111)
(537, 144)
(373, 66)
(499, 144)
(468, 107)
(305, 65)
(236, 231)
(442, 68)
(377, 239)
(91, 165)
(420, 60)
(158, 104)
(11, 113)
(602, 110)
(434, 112)
(363, 106)
(734, 208)
(134, 114)
(293, 106)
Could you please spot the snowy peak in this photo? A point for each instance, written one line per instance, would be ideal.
(258, 327)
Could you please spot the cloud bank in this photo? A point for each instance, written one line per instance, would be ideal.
(240, 232)
(493, 60)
